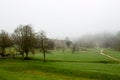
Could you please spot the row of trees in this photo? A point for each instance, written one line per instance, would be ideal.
(102, 40)
(24, 40)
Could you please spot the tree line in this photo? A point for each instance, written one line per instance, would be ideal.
(24, 40)
(101, 40)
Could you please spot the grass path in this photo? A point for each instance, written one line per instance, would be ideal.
(113, 58)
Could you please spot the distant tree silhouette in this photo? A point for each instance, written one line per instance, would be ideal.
(75, 47)
(50, 44)
(68, 42)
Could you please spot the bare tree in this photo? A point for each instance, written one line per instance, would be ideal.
(43, 43)
(60, 44)
(63, 45)
(5, 41)
(75, 47)
(24, 38)
(68, 42)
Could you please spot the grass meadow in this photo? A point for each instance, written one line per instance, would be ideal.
(82, 65)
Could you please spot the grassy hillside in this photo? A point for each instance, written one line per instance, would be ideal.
(83, 65)
(113, 53)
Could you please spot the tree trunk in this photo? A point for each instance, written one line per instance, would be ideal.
(22, 55)
(3, 52)
(44, 56)
(26, 55)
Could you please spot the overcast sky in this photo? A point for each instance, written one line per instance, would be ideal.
(61, 18)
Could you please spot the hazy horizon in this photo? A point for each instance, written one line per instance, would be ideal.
(64, 18)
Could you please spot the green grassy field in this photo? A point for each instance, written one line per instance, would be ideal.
(113, 53)
(83, 65)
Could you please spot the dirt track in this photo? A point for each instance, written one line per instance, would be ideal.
(113, 58)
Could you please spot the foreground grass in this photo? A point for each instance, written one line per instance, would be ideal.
(83, 65)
